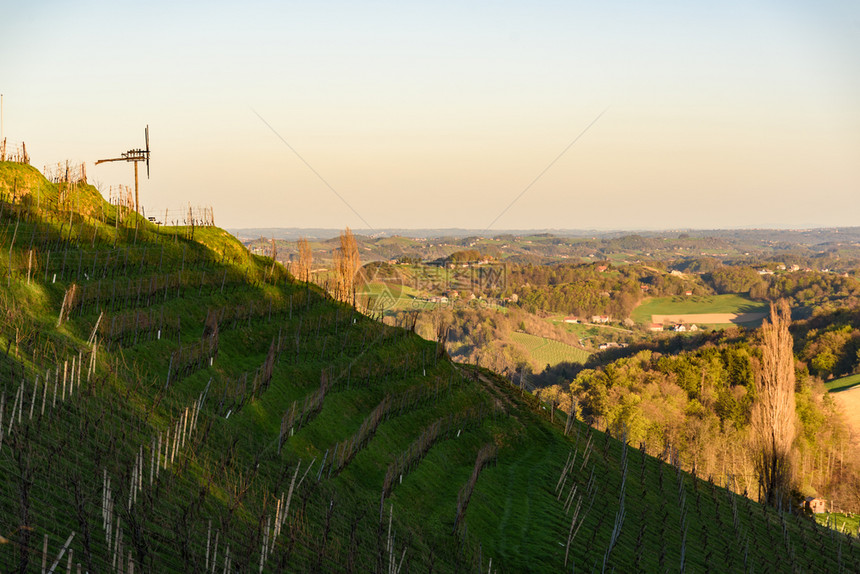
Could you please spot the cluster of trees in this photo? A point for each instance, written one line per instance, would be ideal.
(828, 342)
(598, 288)
(466, 256)
(733, 279)
(346, 261)
(410, 259)
(744, 408)
(814, 288)
(593, 288)
(800, 288)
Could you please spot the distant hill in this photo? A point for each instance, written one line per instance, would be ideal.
(812, 236)
(294, 233)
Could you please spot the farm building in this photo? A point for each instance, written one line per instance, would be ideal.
(815, 505)
(571, 320)
(655, 327)
(599, 318)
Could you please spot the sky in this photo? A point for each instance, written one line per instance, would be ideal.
(502, 115)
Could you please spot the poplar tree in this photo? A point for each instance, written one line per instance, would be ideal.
(773, 414)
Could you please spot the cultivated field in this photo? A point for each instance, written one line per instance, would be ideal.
(710, 318)
(548, 351)
(712, 309)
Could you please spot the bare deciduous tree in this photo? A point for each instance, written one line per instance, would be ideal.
(346, 261)
(441, 328)
(773, 414)
(306, 259)
(274, 256)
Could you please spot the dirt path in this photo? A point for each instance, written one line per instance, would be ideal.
(850, 402)
(709, 318)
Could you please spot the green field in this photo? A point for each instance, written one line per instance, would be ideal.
(848, 523)
(580, 330)
(684, 305)
(549, 352)
(843, 383)
(392, 296)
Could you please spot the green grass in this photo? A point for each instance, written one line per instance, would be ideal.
(548, 351)
(843, 383)
(580, 330)
(402, 295)
(839, 521)
(690, 305)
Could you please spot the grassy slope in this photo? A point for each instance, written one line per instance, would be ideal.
(843, 383)
(225, 482)
(847, 522)
(547, 351)
(694, 305)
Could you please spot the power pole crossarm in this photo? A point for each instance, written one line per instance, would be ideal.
(108, 160)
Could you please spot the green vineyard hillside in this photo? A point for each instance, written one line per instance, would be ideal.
(171, 403)
(546, 351)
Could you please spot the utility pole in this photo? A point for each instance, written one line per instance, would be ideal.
(134, 156)
(1, 118)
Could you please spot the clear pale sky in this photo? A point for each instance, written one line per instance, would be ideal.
(439, 114)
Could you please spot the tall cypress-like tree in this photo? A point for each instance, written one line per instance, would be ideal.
(773, 414)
